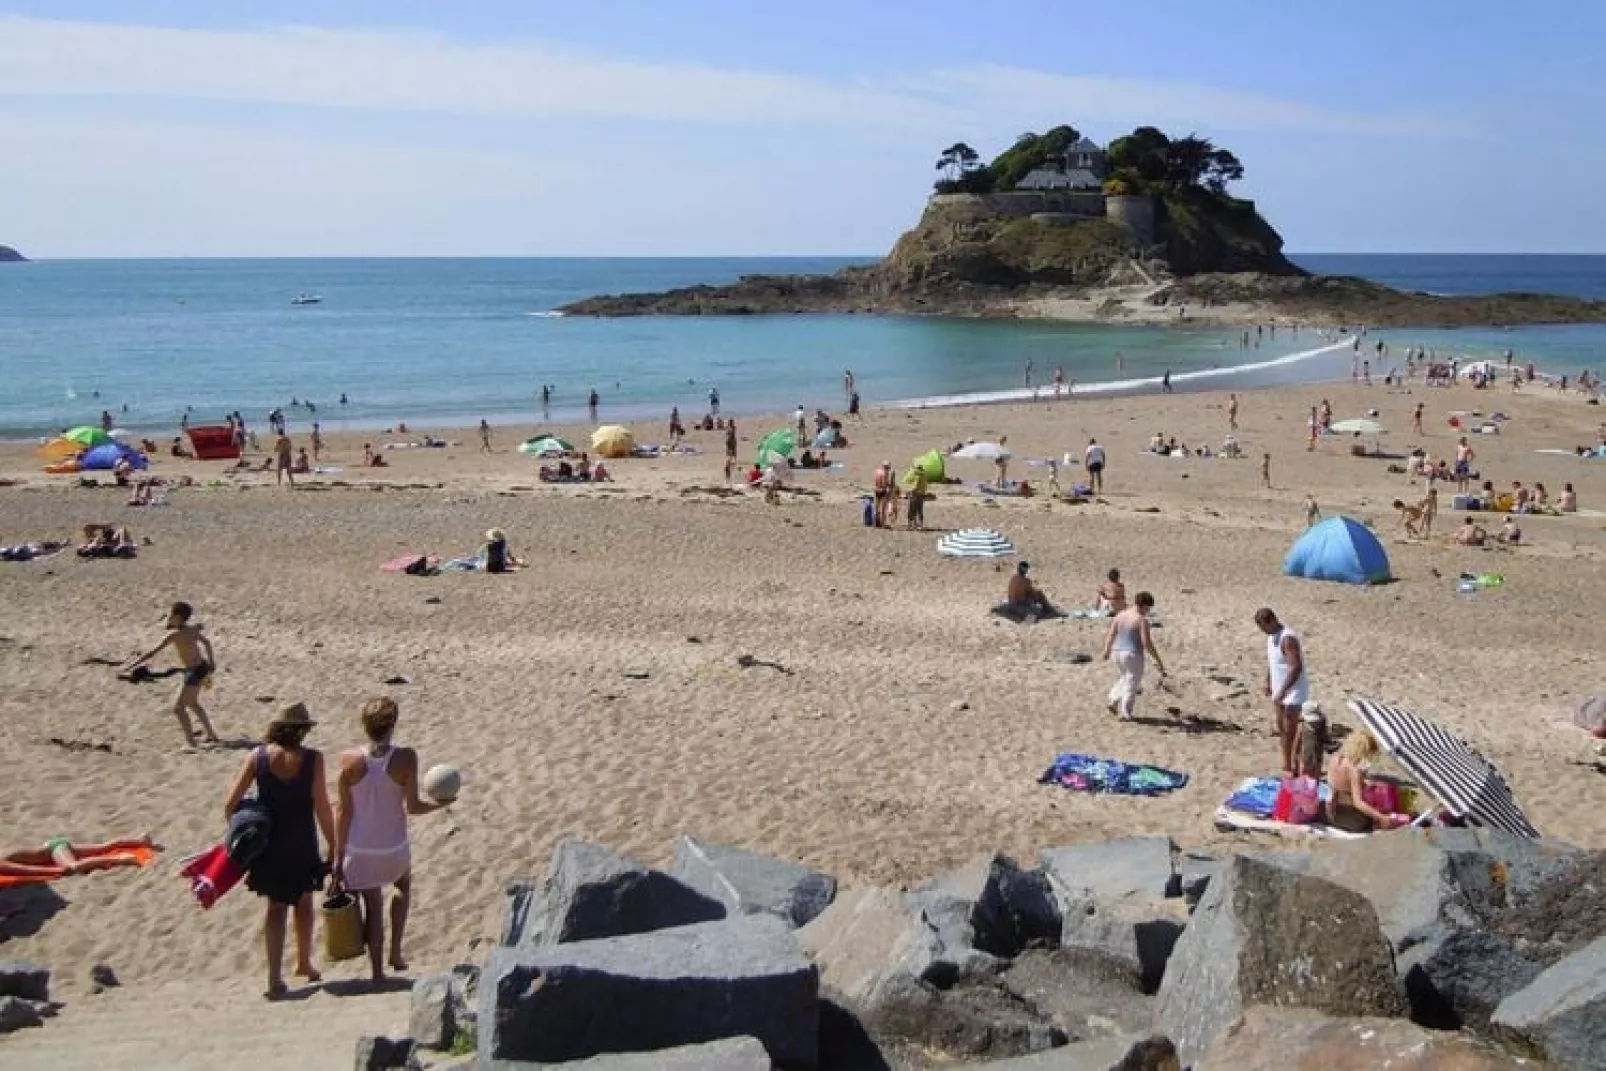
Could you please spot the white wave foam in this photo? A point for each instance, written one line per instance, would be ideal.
(549, 314)
(1115, 386)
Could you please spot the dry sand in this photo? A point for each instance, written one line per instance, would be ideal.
(597, 693)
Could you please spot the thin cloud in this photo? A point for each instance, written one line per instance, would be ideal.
(421, 72)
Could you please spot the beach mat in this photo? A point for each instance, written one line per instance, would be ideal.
(1090, 773)
(1249, 809)
(145, 856)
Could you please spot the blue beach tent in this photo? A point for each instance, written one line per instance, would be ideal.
(1339, 549)
(106, 456)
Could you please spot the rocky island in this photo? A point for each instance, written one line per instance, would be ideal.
(10, 256)
(1143, 231)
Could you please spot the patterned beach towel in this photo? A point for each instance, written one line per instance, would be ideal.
(1089, 773)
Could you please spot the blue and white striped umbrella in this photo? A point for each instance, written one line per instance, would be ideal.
(975, 543)
(1469, 785)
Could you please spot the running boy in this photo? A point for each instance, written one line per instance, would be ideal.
(194, 651)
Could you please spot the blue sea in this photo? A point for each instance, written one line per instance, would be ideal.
(438, 342)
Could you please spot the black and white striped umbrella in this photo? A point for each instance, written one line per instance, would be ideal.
(1468, 784)
(975, 543)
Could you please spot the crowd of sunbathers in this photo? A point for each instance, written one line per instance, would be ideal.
(1159, 444)
(581, 470)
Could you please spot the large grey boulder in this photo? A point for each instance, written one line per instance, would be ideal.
(386, 1054)
(1151, 1053)
(443, 1006)
(1119, 904)
(870, 936)
(1561, 1015)
(751, 884)
(20, 978)
(905, 966)
(644, 992)
(592, 892)
(1085, 1004)
(1437, 893)
(1296, 1039)
(728, 1054)
(1265, 934)
(1010, 909)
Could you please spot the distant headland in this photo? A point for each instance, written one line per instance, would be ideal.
(10, 256)
(1143, 230)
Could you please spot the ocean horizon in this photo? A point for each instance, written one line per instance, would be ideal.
(447, 341)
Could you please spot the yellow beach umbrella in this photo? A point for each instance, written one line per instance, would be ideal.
(611, 440)
(60, 449)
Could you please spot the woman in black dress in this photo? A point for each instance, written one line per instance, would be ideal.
(289, 782)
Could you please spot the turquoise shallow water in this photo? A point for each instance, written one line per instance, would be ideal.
(441, 341)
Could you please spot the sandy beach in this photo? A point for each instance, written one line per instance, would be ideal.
(597, 693)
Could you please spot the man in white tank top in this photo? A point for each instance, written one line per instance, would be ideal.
(1286, 681)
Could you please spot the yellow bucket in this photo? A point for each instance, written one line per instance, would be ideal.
(343, 936)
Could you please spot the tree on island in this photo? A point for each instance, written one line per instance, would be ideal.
(1030, 152)
(1146, 159)
(957, 159)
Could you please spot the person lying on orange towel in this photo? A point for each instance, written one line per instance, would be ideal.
(60, 857)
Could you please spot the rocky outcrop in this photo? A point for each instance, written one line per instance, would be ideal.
(1293, 960)
(10, 256)
(974, 256)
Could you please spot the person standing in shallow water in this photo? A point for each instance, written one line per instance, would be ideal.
(592, 403)
(377, 790)
(289, 781)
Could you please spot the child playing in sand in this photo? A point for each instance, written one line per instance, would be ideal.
(1313, 512)
(1410, 517)
(194, 651)
(1310, 740)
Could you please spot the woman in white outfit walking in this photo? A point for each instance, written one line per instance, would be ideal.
(1129, 640)
(378, 790)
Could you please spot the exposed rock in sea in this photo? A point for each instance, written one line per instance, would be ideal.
(983, 256)
(10, 256)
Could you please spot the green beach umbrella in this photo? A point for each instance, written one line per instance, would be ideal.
(546, 444)
(779, 443)
(87, 436)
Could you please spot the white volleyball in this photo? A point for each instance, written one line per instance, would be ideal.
(442, 783)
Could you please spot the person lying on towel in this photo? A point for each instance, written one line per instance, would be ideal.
(60, 857)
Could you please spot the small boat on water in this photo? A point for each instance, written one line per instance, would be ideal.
(305, 298)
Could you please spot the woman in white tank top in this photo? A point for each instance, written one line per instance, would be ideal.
(378, 789)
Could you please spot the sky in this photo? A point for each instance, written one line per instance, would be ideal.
(746, 127)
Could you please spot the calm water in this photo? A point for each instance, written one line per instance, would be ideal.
(438, 341)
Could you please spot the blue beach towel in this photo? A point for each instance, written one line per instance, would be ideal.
(1089, 773)
(1256, 796)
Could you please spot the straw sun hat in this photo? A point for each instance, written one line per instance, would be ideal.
(295, 715)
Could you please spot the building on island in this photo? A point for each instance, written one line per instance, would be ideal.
(1082, 166)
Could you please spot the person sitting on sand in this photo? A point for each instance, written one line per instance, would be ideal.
(582, 468)
(494, 556)
(1025, 597)
(1347, 808)
(1471, 534)
(60, 857)
(1510, 534)
(1111, 594)
(600, 473)
(303, 464)
(370, 459)
(178, 449)
(1540, 497)
(1410, 518)
(110, 541)
(122, 471)
(1568, 501)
